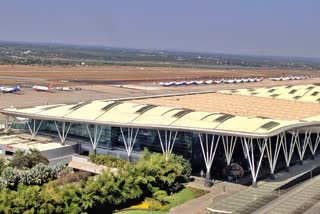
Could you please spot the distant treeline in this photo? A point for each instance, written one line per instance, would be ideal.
(48, 54)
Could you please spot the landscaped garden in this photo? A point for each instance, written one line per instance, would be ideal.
(29, 185)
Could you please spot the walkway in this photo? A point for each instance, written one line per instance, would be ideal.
(216, 192)
(296, 201)
(314, 209)
(251, 199)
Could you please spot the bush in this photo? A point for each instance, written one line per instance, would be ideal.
(23, 160)
(37, 175)
(160, 196)
(11, 177)
(161, 174)
(2, 165)
(108, 160)
(156, 205)
(66, 177)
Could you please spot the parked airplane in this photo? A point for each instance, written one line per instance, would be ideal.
(64, 88)
(10, 90)
(40, 88)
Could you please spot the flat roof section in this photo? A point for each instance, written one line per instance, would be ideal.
(239, 105)
(24, 142)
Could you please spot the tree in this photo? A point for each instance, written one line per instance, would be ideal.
(22, 160)
(2, 165)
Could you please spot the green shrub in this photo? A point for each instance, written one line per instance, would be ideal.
(23, 160)
(2, 165)
(37, 175)
(108, 160)
(66, 177)
(160, 196)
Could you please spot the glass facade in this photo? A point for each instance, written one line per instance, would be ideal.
(186, 143)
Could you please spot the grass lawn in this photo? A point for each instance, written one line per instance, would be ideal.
(174, 200)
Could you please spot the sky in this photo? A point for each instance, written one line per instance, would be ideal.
(251, 27)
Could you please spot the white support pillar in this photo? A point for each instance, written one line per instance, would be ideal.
(168, 142)
(129, 140)
(243, 148)
(251, 159)
(33, 128)
(314, 146)
(273, 154)
(208, 151)
(259, 144)
(63, 133)
(289, 152)
(228, 146)
(302, 148)
(95, 136)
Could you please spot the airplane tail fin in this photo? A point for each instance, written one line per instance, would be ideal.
(50, 86)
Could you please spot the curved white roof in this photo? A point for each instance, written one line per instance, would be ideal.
(132, 114)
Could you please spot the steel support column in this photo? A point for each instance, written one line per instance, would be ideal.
(168, 142)
(273, 153)
(288, 152)
(302, 148)
(34, 128)
(63, 133)
(95, 136)
(260, 144)
(208, 151)
(314, 146)
(129, 140)
(229, 147)
(243, 148)
(251, 159)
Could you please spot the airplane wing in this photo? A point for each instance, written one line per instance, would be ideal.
(218, 211)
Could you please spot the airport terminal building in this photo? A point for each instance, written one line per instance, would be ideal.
(261, 129)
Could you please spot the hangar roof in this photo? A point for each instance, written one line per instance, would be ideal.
(230, 114)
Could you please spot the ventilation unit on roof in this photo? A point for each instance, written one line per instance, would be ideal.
(110, 106)
(223, 118)
(209, 115)
(173, 109)
(271, 90)
(262, 117)
(293, 91)
(310, 87)
(182, 113)
(269, 125)
(79, 105)
(296, 97)
(50, 107)
(315, 93)
(274, 95)
(145, 108)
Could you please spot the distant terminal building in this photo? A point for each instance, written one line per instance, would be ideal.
(261, 129)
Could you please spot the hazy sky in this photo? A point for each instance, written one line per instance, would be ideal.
(264, 27)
